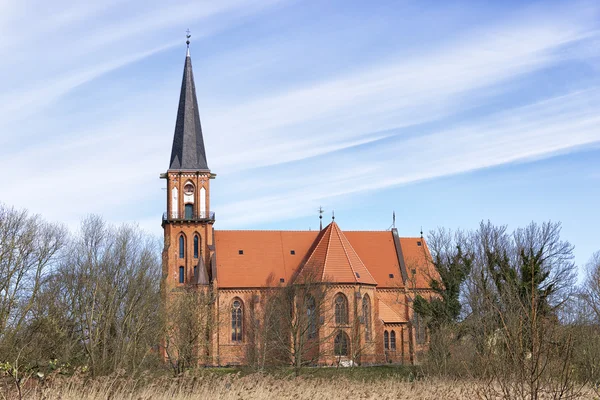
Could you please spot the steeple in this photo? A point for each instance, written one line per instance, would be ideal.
(188, 145)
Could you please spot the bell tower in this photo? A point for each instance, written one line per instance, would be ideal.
(188, 220)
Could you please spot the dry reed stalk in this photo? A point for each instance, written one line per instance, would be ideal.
(259, 387)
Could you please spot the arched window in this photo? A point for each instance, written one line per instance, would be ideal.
(181, 275)
(340, 344)
(195, 246)
(181, 246)
(386, 340)
(188, 199)
(341, 309)
(419, 329)
(189, 211)
(393, 340)
(195, 274)
(237, 316)
(366, 310)
(311, 313)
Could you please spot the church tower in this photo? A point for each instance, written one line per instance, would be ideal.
(188, 221)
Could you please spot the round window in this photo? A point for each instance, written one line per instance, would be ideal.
(188, 189)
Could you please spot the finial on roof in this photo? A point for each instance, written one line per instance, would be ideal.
(187, 41)
(321, 211)
(333, 215)
(394, 219)
(421, 232)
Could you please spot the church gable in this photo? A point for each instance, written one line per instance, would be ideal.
(418, 263)
(335, 260)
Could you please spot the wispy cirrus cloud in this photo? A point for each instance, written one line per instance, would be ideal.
(78, 44)
(538, 130)
(324, 116)
(510, 89)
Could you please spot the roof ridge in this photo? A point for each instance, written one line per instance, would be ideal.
(312, 253)
(326, 251)
(282, 254)
(357, 256)
(346, 254)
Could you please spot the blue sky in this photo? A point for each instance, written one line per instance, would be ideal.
(446, 112)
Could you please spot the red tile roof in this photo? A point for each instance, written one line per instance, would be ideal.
(267, 257)
(388, 315)
(376, 249)
(333, 259)
(417, 260)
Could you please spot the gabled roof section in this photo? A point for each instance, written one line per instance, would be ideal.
(188, 144)
(388, 315)
(267, 257)
(376, 250)
(333, 259)
(419, 267)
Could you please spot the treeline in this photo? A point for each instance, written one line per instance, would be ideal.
(89, 300)
(508, 311)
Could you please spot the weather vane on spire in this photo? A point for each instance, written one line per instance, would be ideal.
(321, 218)
(187, 41)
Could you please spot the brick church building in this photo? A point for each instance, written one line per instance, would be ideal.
(367, 279)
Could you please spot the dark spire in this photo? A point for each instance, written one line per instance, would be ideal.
(188, 144)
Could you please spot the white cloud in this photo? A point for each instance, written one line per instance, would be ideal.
(309, 134)
(312, 120)
(539, 130)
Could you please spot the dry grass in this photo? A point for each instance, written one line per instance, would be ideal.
(254, 386)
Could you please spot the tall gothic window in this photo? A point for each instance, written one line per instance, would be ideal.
(237, 316)
(181, 275)
(393, 340)
(366, 310)
(311, 313)
(341, 309)
(340, 344)
(419, 329)
(386, 340)
(195, 246)
(181, 246)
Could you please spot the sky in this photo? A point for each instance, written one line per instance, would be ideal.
(448, 113)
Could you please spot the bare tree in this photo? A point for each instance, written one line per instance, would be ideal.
(585, 322)
(29, 247)
(520, 284)
(111, 285)
(294, 318)
(188, 321)
(591, 288)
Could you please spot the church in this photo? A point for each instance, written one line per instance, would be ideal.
(352, 290)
